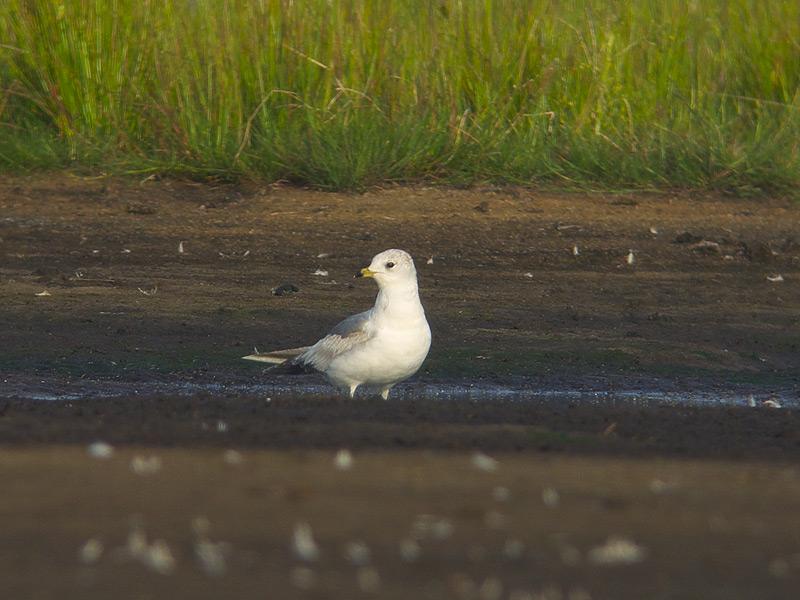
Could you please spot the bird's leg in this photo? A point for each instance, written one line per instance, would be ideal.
(385, 392)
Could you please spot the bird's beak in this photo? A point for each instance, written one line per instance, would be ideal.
(365, 272)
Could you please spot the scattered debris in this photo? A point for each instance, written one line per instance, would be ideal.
(483, 462)
(222, 426)
(211, 556)
(357, 553)
(43, 293)
(320, 273)
(151, 292)
(438, 528)
(323, 255)
(429, 261)
(232, 457)
(630, 258)
(245, 254)
(442, 529)
(136, 546)
(156, 556)
(529, 275)
(617, 551)
(285, 289)
(771, 403)
(343, 460)
(550, 497)
(751, 401)
(303, 544)
(705, 247)
(369, 580)
(91, 551)
(409, 550)
(100, 450)
(658, 486)
(653, 230)
(180, 248)
(159, 558)
(777, 278)
(145, 465)
(575, 250)
(612, 427)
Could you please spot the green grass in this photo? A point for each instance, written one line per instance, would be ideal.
(346, 94)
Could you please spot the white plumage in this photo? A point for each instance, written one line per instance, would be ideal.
(377, 348)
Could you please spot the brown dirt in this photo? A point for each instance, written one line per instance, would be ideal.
(710, 492)
(504, 284)
(706, 532)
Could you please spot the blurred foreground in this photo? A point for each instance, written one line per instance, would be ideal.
(208, 523)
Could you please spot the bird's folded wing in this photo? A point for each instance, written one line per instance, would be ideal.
(346, 336)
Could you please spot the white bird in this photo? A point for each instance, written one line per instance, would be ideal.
(376, 348)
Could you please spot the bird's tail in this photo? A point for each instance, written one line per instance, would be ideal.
(276, 357)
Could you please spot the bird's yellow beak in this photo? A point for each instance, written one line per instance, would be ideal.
(365, 272)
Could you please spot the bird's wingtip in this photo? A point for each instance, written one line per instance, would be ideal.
(264, 358)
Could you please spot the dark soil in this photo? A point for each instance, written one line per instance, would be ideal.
(505, 294)
(172, 281)
(539, 427)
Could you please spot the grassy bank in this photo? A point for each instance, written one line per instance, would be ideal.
(345, 94)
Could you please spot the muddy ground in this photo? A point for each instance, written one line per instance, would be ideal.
(106, 281)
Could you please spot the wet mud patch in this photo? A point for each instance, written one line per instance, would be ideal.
(583, 426)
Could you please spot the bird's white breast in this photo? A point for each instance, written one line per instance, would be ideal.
(392, 355)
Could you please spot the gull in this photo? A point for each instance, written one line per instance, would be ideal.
(377, 348)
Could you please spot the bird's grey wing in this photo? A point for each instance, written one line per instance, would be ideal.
(348, 334)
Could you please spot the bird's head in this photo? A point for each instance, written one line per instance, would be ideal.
(390, 268)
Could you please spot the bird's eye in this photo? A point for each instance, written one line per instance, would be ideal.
(389, 265)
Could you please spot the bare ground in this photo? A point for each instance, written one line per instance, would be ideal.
(708, 495)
